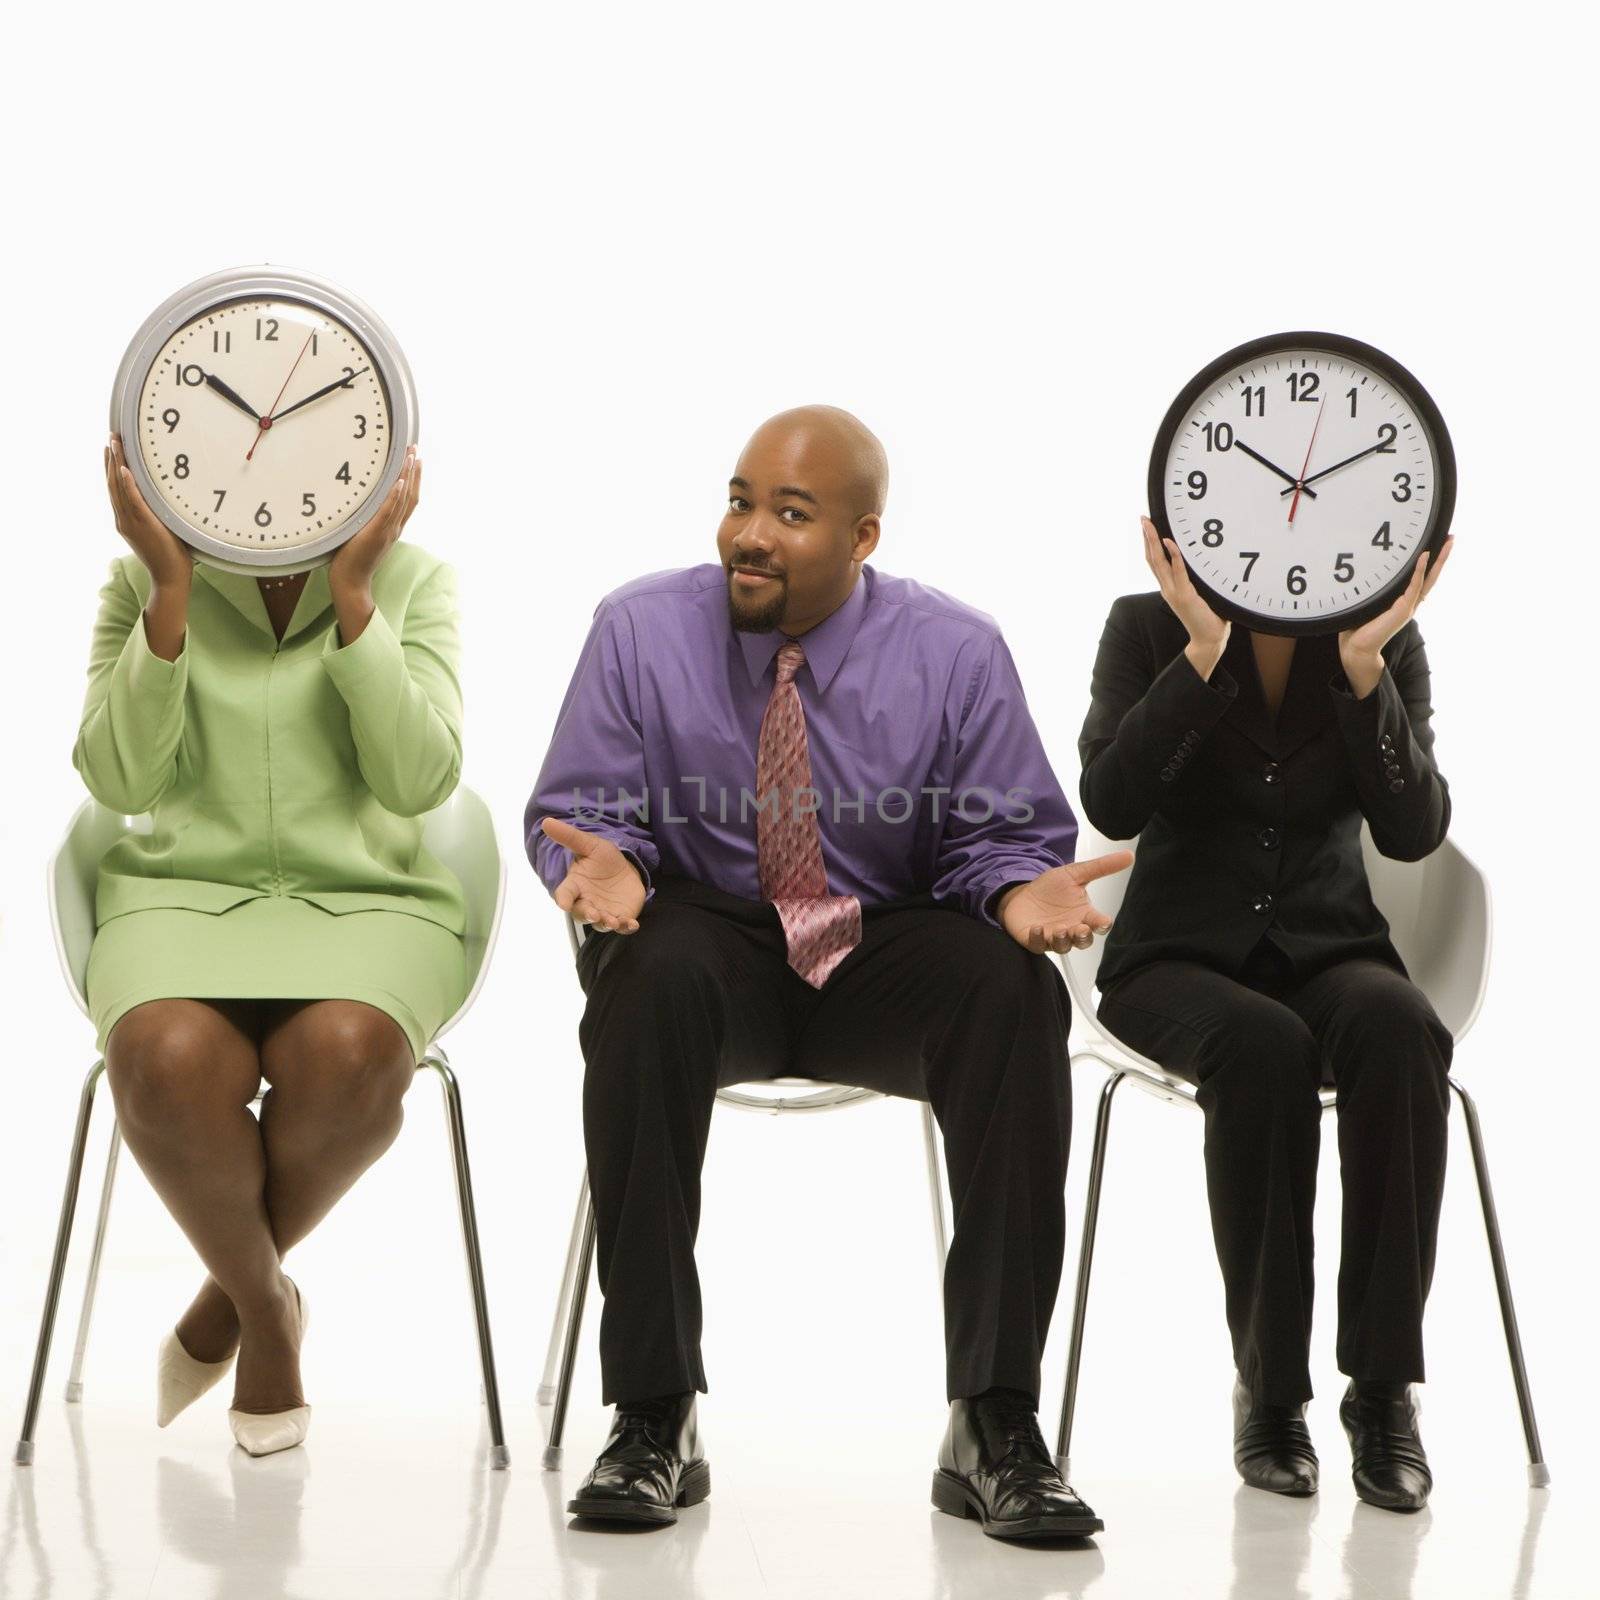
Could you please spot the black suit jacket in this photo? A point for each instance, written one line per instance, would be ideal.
(1249, 830)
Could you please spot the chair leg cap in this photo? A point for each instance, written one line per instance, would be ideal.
(499, 1457)
(1064, 1466)
(1538, 1475)
(552, 1458)
(24, 1455)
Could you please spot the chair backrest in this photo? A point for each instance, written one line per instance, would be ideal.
(770, 1096)
(460, 833)
(1438, 911)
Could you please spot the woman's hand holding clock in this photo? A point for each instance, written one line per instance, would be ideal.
(166, 558)
(1361, 649)
(350, 572)
(1208, 633)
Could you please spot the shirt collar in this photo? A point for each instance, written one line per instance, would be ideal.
(826, 645)
(243, 593)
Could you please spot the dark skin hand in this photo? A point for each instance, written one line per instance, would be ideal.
(805, 508)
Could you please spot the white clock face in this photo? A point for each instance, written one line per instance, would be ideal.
(264, 423)
(1300, 484)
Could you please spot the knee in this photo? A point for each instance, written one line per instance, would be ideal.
(1394, 1044)
(1265, 1058)
(169, 1069)
(351, 1061)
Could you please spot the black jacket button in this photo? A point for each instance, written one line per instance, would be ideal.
(1262, 904)
(1269, 838)
(1167, 774)
(1271, 772)
(1392, 770)
(1396, 785)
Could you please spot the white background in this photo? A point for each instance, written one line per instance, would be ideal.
(611, 242)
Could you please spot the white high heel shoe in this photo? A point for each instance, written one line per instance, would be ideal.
(262, 1433)
(181, 1380)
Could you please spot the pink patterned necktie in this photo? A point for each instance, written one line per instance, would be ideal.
(821, 928)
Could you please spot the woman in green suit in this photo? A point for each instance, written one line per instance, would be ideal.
(281, 919)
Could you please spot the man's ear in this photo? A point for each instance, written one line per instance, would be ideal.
(866, 537)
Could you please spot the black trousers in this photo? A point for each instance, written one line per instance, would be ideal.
(931, 1004)
(1259, 1048)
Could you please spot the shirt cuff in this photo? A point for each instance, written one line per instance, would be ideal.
(1003, 875)
(377, 649)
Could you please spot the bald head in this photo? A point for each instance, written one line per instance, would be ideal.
(804, 504)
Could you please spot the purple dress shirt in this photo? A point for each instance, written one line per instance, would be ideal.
(928, 773)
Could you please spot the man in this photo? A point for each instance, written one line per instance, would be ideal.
(805, 810)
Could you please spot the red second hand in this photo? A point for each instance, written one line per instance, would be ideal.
(263, 423)
(1299, 483)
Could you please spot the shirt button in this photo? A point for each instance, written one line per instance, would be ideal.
(1270, 773)
(1167, 774)
(1396, 785)
(1392, 770)
(1262, 904)
(1269, 838)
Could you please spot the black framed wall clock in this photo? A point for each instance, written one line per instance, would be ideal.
(1302, 475)
(264, 414)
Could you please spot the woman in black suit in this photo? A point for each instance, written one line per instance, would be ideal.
(1249, 958)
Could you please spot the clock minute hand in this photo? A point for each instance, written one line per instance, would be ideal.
(233, 399)
(1288, 477)
(1360, 455)
(327, 388)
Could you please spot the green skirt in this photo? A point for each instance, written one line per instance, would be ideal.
(277, 947)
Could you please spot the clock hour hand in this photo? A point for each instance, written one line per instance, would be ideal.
(1360, 455)
(327, 388)
(1288, 477)
(233, 399)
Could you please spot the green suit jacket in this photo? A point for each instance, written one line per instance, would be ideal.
(301, 768)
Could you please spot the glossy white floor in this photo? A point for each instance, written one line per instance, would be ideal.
(114, 1510)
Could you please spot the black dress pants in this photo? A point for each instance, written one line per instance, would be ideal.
(931, 1004)
(1259, 1048)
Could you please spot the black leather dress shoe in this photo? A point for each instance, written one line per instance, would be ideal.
(1388, 1464)
(650, 1466)
(993, 1465)
(1272, 1446)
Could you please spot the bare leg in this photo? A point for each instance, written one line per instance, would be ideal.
(182, 1075)
(338, 1070)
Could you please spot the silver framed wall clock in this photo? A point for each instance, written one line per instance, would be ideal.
(1302, 475)
(264, 413)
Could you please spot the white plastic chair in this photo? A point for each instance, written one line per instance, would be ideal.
(814, 1096)
(460, 833)
(1439, 919)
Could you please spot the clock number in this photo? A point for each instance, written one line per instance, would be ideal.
(1297, 580)
(171, 418)
(349, 373)
(1387, 434)
(308, 505)
(1219, 435)
(1381, 537)
(343, 474)
(220, 341)
(361, 432)
(1212, 536)
(1402, 487)
(263, 516)
(1255, 400)
(180, 467)
(1197, 483)
(1249, 557)
(271, 335)
(1303, 385)
(1343, 568)
(221, 494)
(313, 341)
(191, 375)
(1350, 395)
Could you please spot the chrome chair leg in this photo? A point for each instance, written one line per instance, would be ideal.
(552, 1354)
(58, 1265)
(499, 1455)
(941, 1231)
(569, 1347)
(1080, 1302)
(1538, 1472)
(91, 1284)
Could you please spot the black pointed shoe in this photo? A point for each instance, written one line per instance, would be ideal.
(651, 1464)
(993, 1465)
(1272, 1446)
(1388, 1464)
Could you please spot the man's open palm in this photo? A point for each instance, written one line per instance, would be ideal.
(1054, 911)
(602, 885)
